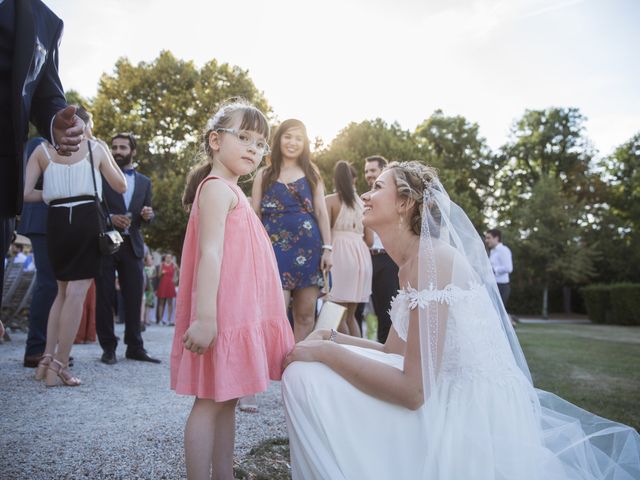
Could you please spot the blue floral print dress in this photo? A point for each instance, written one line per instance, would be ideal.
(287, 215)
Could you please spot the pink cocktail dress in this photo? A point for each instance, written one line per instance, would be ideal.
(254, 334)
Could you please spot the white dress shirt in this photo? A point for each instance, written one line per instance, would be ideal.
(500, 257)
(377, 243)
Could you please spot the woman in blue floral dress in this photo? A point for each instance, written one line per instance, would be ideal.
(289, 196)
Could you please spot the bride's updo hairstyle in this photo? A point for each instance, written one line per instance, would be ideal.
(412, 178)
(251, 119)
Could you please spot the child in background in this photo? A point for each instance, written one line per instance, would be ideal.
(149, 294)
(232, 332)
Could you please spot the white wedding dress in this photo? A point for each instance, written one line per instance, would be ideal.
(482, 421)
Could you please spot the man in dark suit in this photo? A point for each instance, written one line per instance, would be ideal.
(128, 212)
(33, 224)
(30, 90)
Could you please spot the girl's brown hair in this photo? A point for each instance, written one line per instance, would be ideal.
(252, 119)
(343, 175)
(272, 172)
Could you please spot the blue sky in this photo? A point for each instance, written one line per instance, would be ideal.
(336, 61)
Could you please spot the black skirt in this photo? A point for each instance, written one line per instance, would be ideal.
(72, 241)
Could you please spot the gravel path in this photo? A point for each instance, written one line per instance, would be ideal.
(123, 422)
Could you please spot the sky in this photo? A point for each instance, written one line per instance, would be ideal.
(333, 62)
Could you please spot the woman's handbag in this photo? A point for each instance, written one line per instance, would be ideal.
(109, 239)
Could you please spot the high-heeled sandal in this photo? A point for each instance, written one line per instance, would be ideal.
(58, 372)
(43, 364)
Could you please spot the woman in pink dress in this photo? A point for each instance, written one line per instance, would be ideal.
(352, 270)
(232, 332)
(166, 288)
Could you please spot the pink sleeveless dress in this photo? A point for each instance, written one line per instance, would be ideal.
(254, 334)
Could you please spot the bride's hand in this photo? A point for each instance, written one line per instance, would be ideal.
(308, 351)
(318, 335)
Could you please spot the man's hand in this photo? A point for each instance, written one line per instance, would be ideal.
(67, 130)
(147, 213)
(120, 221)
(200, 336)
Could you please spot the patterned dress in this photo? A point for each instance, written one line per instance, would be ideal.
(288, 218)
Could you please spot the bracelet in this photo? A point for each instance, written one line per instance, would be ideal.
(332, 336)
(327, 247)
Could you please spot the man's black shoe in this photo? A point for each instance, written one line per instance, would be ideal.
(142, 356)
(109, 358)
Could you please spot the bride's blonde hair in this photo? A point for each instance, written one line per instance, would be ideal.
(412, 178)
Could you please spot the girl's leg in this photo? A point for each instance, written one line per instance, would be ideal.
(70, 317)
(209, 421)
(225, 437)
(170, 309)
(160, 309)
(304, 311)
(343, 326)
(352, 323)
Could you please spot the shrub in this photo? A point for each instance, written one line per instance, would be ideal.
(617, 304)
(625, 303)
(597, 301)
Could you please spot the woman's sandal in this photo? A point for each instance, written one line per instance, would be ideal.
(58, 372)
(43, 364)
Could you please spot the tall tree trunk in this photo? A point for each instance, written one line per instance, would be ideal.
(545, 302)
(566, 299)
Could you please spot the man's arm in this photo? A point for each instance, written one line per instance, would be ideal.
(54, 119)
(504, 263)
(147, 214)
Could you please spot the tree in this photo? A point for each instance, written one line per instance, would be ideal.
(166, 104)
(616, 217)
(464, 161)
(545, 144)
(552, 238)
(359, 140)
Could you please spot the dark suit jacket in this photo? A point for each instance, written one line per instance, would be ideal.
(36, 90)
(141, 198)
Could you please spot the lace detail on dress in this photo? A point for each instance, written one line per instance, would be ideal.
(409, 298)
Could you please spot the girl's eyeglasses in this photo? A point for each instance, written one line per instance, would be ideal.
(245, 138)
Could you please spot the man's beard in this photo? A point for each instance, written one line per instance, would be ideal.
(122, 161)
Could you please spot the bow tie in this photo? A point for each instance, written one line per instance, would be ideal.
(129, 172)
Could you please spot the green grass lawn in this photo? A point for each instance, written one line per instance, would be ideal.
(596, 367)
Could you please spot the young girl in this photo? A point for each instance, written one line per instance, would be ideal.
(289, 196)
(166, 289)
(232, 332)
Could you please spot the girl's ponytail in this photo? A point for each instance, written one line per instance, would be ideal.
(195, 177)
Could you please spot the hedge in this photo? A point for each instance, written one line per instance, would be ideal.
(615, 304)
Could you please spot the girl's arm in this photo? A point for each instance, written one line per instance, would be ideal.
(256, 192)
(382, 381)
(34, 170)
(322, 217)
(215, 201)
(109, 168)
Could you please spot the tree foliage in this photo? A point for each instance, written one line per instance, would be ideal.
(166, 104)
(464, 161)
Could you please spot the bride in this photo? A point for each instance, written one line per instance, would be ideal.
(449, 396)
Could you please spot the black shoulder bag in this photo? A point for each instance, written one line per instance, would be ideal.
(109, 239)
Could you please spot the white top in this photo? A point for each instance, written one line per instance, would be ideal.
(377, 243)
(70, 180)
(500, 258)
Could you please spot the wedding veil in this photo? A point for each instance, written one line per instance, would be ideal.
(454, 267)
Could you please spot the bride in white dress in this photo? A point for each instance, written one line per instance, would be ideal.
(449, 395)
